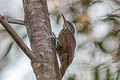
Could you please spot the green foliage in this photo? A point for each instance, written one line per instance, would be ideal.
(71, 78)
(8, 50)
(96, 74)
(101, 47)
(118, 75)
(108, 74)
(2, 30)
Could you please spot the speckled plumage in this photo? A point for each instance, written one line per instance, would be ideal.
(67, 45)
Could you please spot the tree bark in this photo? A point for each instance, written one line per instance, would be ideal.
(37, 22)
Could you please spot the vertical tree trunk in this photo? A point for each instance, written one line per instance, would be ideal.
(37, 22)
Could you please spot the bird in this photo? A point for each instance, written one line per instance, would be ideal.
(67, 44)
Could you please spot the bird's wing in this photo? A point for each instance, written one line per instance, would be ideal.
(62, 45)
(71, 46)
(61, 38)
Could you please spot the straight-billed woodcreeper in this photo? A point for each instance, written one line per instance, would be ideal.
(67, 43)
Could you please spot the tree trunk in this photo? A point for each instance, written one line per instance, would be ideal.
(37, 22)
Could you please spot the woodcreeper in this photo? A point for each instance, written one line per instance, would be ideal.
(67, 43)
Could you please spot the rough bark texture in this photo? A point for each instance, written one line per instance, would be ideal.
(37, 21)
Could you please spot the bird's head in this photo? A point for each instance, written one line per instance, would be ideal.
(68, 25)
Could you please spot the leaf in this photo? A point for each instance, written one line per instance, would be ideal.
(94, 2)
(96, 74)
(8, 50)
(118, 75)
(100, 46)
(108, 74)
(57, 19)
(71, 78)
(24, 36)
(2, 30)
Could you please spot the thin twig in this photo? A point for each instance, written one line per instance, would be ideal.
(115, 10)
(16, 37)
(15, 21)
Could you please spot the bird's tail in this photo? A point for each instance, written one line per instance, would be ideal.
(63, 69)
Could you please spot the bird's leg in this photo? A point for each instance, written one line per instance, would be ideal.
(54, 38)
(56, 43)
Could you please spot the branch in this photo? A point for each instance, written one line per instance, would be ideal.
(37, 22)
(15, 21)
(16, 37)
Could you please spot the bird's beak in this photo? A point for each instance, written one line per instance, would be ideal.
(63, 18)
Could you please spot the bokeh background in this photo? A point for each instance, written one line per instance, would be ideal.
(97, 27)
